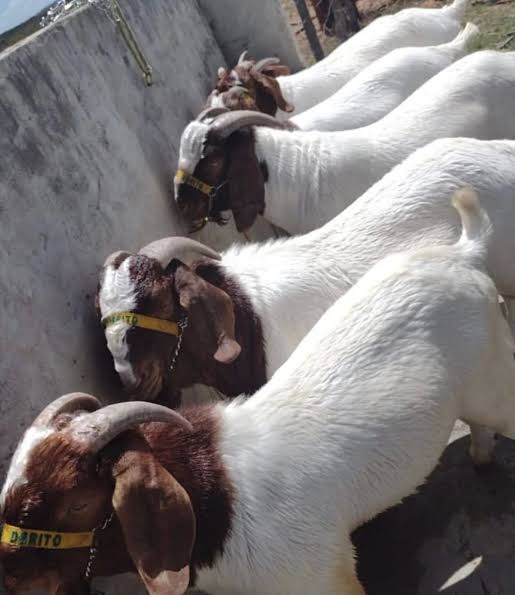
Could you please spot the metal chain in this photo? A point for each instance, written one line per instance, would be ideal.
(113, 11)
(93, 550)
(130, 41)
(182, 324)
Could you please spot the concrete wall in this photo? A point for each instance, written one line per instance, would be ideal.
(257, 25)
(87, 154)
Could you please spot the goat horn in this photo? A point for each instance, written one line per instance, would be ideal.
(266, 62)
(184, 249)
(113, 257)
(226, 124)
(243, 57)
(210, 112)
(97, 429)
(66, 404)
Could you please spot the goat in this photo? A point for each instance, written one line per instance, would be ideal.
(261, 495)
(272, 90)
(383, 85)
(300, 180)
(275, 292)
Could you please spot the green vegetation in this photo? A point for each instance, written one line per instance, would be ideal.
(496, 20)
(20, 32)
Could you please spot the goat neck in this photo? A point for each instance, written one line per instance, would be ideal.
(303, 165)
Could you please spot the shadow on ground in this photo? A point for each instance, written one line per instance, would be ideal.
(455, 536)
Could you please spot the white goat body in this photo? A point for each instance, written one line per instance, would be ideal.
(292, 282)
(313, 176)
(383, 85)
(359, 415)
(408, 27)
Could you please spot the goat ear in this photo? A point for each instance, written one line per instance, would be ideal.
(270, 86)
(245, 181)
(211, 310)
(157, 521)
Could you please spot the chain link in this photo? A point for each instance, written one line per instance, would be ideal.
(93, 550)
(113, 11)
(182, 324)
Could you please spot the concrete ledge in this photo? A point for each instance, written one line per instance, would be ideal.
(88, 153)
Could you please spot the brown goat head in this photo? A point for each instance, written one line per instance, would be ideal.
(219, 169)
(262, 92)
(82, 469)
(158, 283)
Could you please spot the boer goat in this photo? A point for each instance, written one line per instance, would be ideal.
(261, 495)
(241, 161)
(383, 85)
(269, 87)
(266, 297)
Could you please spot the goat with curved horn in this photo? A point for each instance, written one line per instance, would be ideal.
(111, 259)
(211, 112)
(97, 429)
(243, 57)
(225, 124)
(66, 404)
(266, 62)
(184, 249)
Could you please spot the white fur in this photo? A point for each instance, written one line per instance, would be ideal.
(358, 417)
(383, 85)
(118, 294)
(292, 282)
(216, 100)
(16, 475)
(313, 176)
(409, 27)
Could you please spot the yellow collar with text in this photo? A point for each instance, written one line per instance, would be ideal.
(142, 321)
(41, 539)
(183, 177)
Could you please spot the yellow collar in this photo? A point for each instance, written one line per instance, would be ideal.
(142, 321)
(41, 539)
(183, 177)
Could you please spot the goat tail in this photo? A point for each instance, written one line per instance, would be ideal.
(456, 9)
(475, 223)
(466, 36)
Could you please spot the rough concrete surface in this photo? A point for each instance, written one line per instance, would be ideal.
(455, 536)
(257, 25)
(87, 159)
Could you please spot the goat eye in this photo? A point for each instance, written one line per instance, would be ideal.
(77, 507)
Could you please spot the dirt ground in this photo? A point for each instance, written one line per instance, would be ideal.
(496, 21)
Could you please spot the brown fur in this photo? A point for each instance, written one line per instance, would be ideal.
(264, 94)
(161, 480)
(221, 320)
(233, 166)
